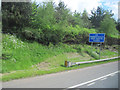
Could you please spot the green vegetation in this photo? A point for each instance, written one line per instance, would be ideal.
(108, 26)
(19, 55)
(35, 72)
(15, 15)
(47, 23)
(38, 38)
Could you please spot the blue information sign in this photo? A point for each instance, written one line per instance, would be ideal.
(97, 37)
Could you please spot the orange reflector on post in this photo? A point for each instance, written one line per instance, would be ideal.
(65, 63)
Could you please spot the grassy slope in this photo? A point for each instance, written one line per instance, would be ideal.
(19, 55)
(35, 72)
(25, 59)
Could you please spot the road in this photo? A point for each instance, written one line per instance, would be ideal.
(99, 76)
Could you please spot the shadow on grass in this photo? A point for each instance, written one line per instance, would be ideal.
(70, 66)
(62, 65)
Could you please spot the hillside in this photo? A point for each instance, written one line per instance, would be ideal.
(21, 55)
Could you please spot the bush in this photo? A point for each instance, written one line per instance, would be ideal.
(77, 35)
(32, 34)
(53, 34)
(112, 41)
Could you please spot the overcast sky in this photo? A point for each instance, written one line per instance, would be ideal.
(80, 5)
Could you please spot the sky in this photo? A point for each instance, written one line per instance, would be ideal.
(80, 5)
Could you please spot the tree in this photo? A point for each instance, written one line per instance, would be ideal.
(77, 19)
(118, 25)
(108, 26)
(62, 14)
(15, 15)
(34, 13)
(44, 15)
(44, 27)
(98, 15)
(85, 19)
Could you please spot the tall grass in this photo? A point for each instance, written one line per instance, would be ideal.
(87, 49)
(92, 52)
(18, 55)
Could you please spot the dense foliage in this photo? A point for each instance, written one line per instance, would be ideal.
(50, 23)
(15, 16)
(108, 26)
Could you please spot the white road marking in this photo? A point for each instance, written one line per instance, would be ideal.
(112, 74)
(91, 84)
(93, 80)
(104, 78)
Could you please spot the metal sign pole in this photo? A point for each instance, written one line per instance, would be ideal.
(100, 51)
(91, 45)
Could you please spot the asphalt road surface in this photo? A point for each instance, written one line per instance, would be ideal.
(99, 76)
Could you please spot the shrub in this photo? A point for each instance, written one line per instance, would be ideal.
(77, 34)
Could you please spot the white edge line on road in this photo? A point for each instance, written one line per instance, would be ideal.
(93, 80)
(91, 84)
(112, 74)
(104, 78)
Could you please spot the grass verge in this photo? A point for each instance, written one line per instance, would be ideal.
(31, 73)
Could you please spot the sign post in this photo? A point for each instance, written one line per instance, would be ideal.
(97, 37)
(100, 51)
